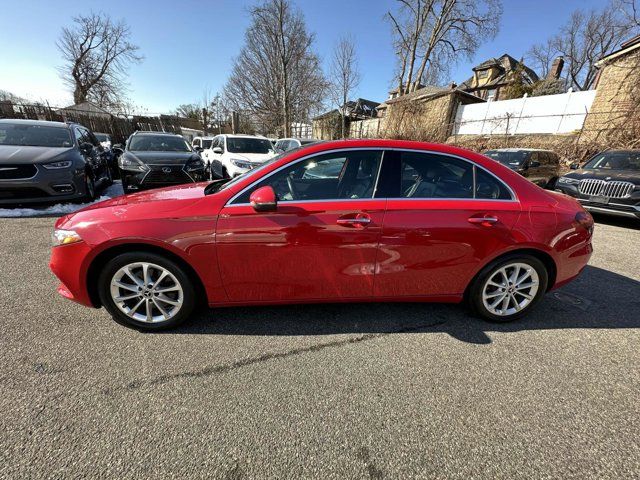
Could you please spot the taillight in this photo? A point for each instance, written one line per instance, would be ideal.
(585, 220)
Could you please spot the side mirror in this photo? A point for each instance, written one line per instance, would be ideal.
(86, 147)
(217, 150)
(264, 199)
(534, 164)
(574, 166)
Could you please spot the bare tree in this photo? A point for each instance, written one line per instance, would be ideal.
(541, 55)
(277, 77)
(584, 39)
(189, 110)
(431, 35)
(97, 53)
(345, 76)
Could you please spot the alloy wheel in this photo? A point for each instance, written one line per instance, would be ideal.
(510, 289)
(146, 292)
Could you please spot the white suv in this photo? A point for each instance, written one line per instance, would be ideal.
(232, 155)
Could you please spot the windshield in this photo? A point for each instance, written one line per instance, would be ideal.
(158, 143)
(615, 161)
(248, 145)
(102, 137)
(510, 159)
(35, 135)
(206, 143)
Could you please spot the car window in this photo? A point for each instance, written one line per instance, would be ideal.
(158, 143)
(196, 142)
(34, 135)
(332, 176)
(429, 175)
(82, 136)
(248, 145)
(206, 144)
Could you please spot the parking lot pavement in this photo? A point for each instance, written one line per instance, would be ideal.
(333, 391)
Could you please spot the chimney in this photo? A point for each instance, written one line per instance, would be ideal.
(453, 85)
(556, 68)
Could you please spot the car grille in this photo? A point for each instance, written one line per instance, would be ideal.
(17, 172)
(175, 175)
(606, 189)
(21, 193)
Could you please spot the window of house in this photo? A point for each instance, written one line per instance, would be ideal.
(491, 94)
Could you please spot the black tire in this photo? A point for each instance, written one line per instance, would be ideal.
(551, 184)
(109, 176)
(225, 174)
(89, 188)
(185, 282)
(474, 296)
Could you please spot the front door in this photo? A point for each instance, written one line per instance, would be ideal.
(438, 229)
(320, 243)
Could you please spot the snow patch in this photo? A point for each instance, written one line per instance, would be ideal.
(60, 209)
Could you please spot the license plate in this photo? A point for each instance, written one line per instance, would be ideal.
(599, 199)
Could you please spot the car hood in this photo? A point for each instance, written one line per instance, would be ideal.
(613, 175)
(18, 154)
(164, 158)
(252, 157)
(166, 202)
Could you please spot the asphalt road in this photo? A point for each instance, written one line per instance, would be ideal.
(337, 391)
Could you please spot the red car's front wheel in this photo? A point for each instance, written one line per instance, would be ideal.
(146, 291)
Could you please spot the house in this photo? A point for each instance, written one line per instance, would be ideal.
(614, 117)
(327, 126)
(492, 76)
(427, 114)
(85, 108)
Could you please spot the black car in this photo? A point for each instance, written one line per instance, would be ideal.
(541, 167)
(43, 162)
(608, 183)
(158, 159)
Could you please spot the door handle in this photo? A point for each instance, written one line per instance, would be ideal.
(359, 221)
(487, 220)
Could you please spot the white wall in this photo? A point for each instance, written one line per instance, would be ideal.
(563, 113)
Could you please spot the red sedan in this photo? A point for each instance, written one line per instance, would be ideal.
(348, 221)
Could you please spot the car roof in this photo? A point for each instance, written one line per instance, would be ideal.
(208, 137)
(164, 134)
(44, 123)
(242, 135)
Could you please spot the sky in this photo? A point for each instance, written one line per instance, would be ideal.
(189, 46)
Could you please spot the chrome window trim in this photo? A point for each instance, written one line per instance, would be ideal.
(514, 197)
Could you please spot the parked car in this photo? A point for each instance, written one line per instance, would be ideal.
(233, 155)
(608, 183)
(44, 162)
(112, 157)
(403, 221)
(541, 167)
(158, 159)
(200, 144)
(286, 144)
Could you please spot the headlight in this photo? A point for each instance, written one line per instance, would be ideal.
(568, 180)
(64, 237)
(195, 165)
(57, 165)
(241, 163)
(131, 164)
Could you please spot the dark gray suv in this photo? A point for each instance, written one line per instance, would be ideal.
(43, 162)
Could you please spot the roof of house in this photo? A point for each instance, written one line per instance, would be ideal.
(506, 63)
(359, 106)
(87, 107)
(430, 91)
(626, 47)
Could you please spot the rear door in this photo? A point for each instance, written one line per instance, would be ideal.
(321, 242)
(444, 216)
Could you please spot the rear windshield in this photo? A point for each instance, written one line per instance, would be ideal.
(35, 135)
(615, 161)
(158, 143)
(249, 145)
(206, 143)
(510, 159)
